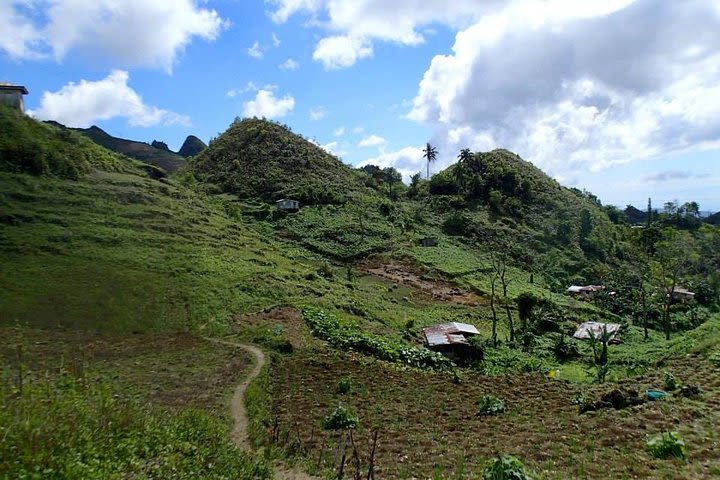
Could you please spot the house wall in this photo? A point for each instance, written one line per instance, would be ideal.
(14, 99)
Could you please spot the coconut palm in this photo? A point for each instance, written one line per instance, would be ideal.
(462, 167)
(430, 153)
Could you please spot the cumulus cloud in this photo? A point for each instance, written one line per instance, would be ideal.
(275, 40)
(408, 161)
(317, 113)
(129, 32)
(81, 104)
(578, 86)
(341, 51)
(357, 24)
(255, 51)
(339, 132)
(289, 65)
(266, 104)
(372, 141)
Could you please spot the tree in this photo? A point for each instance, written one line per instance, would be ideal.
(499, 262)
(673, 258)
(462, 168)
(391, 176)
(414, 185)
(430, 153)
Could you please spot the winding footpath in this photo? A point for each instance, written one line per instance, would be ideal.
(239, 412)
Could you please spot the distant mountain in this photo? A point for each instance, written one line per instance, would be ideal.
(156, 154)
(635, 215)
(713, 219)
(191, 147)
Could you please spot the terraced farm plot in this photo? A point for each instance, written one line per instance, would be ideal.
(427, 423)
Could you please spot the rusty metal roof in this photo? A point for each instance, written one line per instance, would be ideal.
(451, 333)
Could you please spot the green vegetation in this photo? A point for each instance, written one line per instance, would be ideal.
(506, 468)
(666, 445)
(341, 418)
(104, 247)
(490, 405)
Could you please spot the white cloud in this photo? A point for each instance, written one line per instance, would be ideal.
(249, 87)
(275, 40)
(339, 132)
(372, 141)
(341, 51)
(255, 51)
(533, 78)
(289, 64)
(317, 113)
(131, 33)
(267, 105)
(333, 148)
(356, 24)
(82, 104)
(408, 161)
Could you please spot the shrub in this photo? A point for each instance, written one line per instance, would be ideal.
(715, 359)
(564, 349)
(340, 419)
(344, 386)
(490, 405)
(506, 468)
(671, 383)
(667, 444)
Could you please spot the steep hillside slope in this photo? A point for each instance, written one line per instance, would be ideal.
(191, 146)
(259, 158)
(160, 157)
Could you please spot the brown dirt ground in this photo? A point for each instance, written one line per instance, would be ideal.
(438, 289)
(427, 423)
(172, 370)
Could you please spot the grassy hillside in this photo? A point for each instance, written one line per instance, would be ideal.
(258, 158)
(111, 272)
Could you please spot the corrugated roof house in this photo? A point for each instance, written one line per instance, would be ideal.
(584, 330)
(286, 204)
(448, 335)
(585, 291)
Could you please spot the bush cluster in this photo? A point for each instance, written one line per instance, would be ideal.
(327, 327)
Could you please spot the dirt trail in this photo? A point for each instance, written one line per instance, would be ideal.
(239, 411)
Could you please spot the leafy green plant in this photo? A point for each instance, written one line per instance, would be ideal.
(671, 383)
(715, 359)
(490, 405)
(344, 386)
(341, 418)
(327, 327)
(666, 445)
(506, 467)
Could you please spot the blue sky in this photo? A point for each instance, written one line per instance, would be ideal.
(620, 97)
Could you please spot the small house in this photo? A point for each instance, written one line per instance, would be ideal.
(13, 95)
(596, 329)
(584, 291)
(287, 205)
(429, 242)
(680, 294)
(449, 337)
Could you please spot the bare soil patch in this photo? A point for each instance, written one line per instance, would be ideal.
(415, 277)
(427, 423)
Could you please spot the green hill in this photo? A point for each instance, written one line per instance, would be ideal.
(262, 159)
(191, 147)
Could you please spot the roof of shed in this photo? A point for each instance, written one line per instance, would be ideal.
(9, 87)
(451, 333)
(584, 329)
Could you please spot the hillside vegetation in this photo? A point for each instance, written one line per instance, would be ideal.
(261, 159)
(113, 271)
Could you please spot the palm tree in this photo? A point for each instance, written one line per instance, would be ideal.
(430, 153)
(461, 168)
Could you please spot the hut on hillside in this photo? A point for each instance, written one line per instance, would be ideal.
(288, 205)
(596, 329)
(429, 242)
(682, 295)
(584, 291)
(13, 95)
(449, 337)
